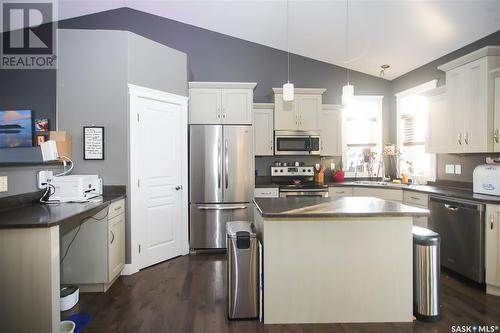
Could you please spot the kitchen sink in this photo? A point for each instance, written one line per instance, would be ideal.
(378, 183)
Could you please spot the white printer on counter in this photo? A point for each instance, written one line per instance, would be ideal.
(76, 188)
(486, 179)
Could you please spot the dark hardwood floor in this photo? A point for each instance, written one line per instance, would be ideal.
(187, 294)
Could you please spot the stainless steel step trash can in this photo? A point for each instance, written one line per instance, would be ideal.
(242, 270)
(426, 274)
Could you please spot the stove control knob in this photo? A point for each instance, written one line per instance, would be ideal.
(281, 170)
(309, 170)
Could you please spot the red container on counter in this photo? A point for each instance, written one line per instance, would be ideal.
(339, 176)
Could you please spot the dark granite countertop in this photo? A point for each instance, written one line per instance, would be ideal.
(452, 192)
(459, 193)
(313, 207)
(38, 215)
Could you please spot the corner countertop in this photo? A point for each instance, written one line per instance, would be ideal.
(313, 207)
(38, 215)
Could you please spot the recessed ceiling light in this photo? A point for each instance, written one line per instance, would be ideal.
(382, 70)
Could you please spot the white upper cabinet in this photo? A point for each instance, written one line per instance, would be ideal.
(263, 128)
(237, 106)
(470, 101)
(495, 78)
(309, 110)
(204, 106)
(301, 114)
(440, 138)
(286, 118)
(331, 130)
(220, 102)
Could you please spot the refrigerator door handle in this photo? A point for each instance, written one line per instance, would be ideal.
(219, 160)
(222, 208)
(226, 171)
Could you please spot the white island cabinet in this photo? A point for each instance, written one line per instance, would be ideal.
(337, 260)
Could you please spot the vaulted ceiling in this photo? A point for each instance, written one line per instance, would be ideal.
(403, 34)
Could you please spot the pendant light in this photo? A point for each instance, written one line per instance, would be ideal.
(348, 89)
(287, 87)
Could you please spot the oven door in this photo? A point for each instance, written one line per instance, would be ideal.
(304, 193)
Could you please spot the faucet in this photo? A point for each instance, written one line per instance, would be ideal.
(381, 165)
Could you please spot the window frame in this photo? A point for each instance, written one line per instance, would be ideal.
(421, 88)
(363, 98)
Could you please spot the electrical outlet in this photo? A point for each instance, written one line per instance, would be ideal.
(4, 185)
(43, 178)
(450, 169)
(458, 169)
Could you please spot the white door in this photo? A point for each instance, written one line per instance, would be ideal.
(263, 132)
(237, 106)
(160, 165)
(308, 107)
(205, 106)
(331, 130)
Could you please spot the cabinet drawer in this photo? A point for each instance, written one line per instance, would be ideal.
(116, 208)
(341, 191)
(415, 198)
(381, 193)
(267, 192)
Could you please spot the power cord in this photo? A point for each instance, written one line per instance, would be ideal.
(49, 190)
(78, 230)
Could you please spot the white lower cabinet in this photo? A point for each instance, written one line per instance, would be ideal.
(340, 191)
(96, 256)
(419, 200)
(382, 193)
(492, 235)
(266, 192)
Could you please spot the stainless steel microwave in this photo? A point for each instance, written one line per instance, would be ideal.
(296, 143)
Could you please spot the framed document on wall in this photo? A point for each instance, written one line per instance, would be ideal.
(93, 142)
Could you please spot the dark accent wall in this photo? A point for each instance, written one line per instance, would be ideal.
(429, 72)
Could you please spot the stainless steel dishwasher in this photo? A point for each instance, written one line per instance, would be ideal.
(461, 226)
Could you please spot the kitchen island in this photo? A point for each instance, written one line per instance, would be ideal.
(336, 260)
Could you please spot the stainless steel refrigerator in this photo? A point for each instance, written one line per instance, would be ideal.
(221, 169)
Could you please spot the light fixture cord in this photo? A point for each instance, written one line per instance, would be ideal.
(347, 36)
(287, 45)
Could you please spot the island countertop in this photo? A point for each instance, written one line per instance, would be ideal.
(312, 207)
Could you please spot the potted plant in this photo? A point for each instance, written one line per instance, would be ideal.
(338, 174)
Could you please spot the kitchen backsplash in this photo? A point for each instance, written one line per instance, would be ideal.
(263, 163)
(468, 162)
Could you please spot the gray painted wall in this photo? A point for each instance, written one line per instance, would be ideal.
(429, 72)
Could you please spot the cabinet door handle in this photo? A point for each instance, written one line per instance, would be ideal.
(495, 135)
(491, 222)
(460, 138)
(113, 236)
(218, 112)
(415, 198)
(466, 138)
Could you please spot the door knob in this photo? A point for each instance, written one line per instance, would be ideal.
(178, 187)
